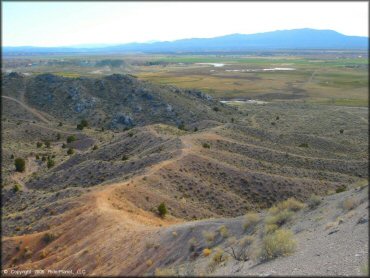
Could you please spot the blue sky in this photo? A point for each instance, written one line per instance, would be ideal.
(66, 23)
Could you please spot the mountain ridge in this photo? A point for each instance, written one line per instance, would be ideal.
(305, 38)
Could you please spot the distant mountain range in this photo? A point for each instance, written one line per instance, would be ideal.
(275, 40)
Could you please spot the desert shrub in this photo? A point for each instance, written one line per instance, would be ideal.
(84, 123)
(71, 138)
(216, 109)
(277, 117)
(37, 157)
(12, 156)
(38, 144)
(17, 187)
(48, 237)
(240, 250)
(341, 188)
(289, 204)
(47, 144)
(341, 131)
(195, 129)
(207, 252)
(270, 228)
(59, 136)
(124, 157)
(251, 220)
(51, 163)
(209, 236)
(193, 243)
(206, 145)
(314, 201)
(167, 272)
(130, 134)
(70, 151)
(303, 145)
(350, 203)
(279, 243)
(232, 120)
(162, 210)
(181, 126)
(43, 158)
(60, 124)
(20, 164)
(219, 255)
(64, 146)
(280, 218)
(95, 147)
(224, 232)
(43, 254)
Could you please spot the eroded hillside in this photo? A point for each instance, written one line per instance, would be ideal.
(96, 204)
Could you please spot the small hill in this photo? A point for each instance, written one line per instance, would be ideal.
(115, 101)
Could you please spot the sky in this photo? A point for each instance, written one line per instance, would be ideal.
(75, 23)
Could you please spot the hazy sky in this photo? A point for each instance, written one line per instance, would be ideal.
(66, 23)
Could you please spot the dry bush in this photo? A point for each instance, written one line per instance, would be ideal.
(240, 250)
(209, 236)
(314, 201)
(207, 252)
(224, 232)
(279, 243)
(280, 218)
(251, 220)
(193, 243)
(270, 228)
(149, 262)
(219, 256)
(290, 204)
(168, 272)
(350, 203)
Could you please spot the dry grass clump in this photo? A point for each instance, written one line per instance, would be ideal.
(48, 237)
(224, 232)
(193, 243)
(314, 201)
(270, 228)
(290, 204)
(240, 249)
(251, 219)
(168, 272)
(282, 212)
(207, 252)
(149, 262)
(279, 243)
(209, 236)
(280, 218)
(350, 203)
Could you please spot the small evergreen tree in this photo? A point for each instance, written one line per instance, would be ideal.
(20, 164)
(51, 163)
(71, 138)
(162, 210)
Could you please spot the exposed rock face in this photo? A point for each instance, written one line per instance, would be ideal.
(122, 119)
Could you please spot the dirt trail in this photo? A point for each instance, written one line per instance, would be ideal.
(29, 109)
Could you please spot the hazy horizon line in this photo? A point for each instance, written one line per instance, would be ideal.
(102, 45)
